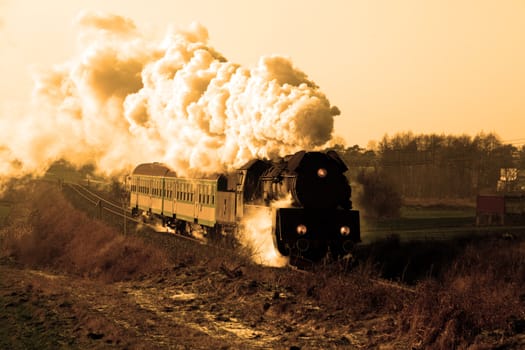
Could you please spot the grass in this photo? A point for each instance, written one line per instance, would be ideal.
(418, 218)
(481, 293)
(24, 325)
(466, 293)
(59, 237)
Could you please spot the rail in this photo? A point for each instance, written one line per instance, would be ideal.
(99, 201)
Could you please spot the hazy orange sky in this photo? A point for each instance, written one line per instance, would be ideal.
(390, 66)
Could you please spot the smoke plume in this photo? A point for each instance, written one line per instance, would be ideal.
(125, 98)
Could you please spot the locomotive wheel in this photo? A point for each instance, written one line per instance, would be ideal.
(314, 253)
(337, 251)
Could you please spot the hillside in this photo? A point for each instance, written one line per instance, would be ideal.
(70, 281)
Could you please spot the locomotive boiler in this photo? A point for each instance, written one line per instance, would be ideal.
(317, 219)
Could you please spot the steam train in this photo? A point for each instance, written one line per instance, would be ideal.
(319, 218)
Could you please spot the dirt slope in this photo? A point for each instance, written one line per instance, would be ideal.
(186, 308)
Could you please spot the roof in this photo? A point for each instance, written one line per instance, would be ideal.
(251, 163)
(153, 169)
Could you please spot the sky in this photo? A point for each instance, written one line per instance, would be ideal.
(433, 66)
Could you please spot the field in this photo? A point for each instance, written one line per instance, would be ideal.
(434, 223)
(71, 281)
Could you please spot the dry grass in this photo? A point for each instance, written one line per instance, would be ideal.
(467, 295)
(61, 238)
(482, 293)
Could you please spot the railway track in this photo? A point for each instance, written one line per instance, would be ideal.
(105, 205)
(100, 202)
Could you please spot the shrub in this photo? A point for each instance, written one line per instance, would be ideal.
(481, 293)
(65, 239)
(377, 196)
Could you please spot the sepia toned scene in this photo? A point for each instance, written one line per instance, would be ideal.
(262, 175)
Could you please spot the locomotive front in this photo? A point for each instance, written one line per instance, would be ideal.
(320, 218)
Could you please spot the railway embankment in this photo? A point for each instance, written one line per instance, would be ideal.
(157, 292)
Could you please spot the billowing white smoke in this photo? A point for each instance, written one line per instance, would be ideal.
(256, 233)
(126, 99)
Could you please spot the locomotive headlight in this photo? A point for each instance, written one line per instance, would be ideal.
(301, 229)
(345, 231)
(321, 172)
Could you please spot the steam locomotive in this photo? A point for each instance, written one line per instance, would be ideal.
(318, 218)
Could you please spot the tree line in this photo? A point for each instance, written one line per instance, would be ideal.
(432, 165)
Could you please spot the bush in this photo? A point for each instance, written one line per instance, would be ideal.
(482, 293)
(65, 239)
(377, 196)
